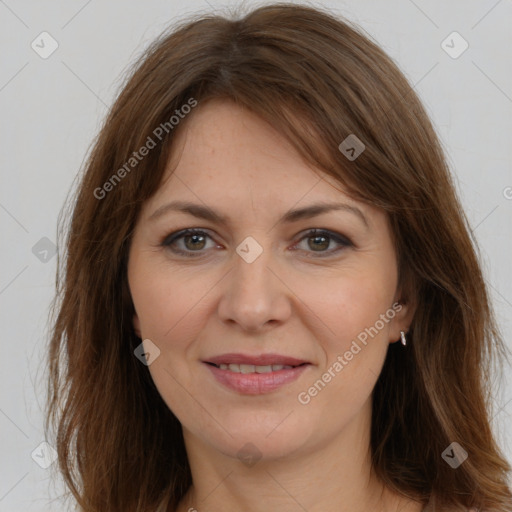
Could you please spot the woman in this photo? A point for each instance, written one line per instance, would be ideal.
(271, 299)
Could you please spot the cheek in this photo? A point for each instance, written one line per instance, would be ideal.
(350, 303)
(162, 299)
(167, 305)
(354, 342)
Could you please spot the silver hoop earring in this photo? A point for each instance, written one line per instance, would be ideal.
(403, 338)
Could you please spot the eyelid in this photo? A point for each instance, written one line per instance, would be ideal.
(342, 240)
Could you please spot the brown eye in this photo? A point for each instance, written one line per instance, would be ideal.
(319, 240)
(193, 241)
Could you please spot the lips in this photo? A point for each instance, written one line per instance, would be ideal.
(260, 360)
(251, 368)
(255, 375)
(256, 383)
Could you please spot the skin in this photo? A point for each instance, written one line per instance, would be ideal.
(288, 301)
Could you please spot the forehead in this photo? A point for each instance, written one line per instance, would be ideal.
(227, 152)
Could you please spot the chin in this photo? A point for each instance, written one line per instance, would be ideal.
(272, 438)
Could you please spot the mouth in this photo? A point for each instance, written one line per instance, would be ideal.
(251, 368)
(261, 360)
(255, 375)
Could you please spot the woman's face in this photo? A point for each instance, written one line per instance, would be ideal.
(256, 290)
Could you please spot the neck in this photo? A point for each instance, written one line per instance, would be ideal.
(332, 476)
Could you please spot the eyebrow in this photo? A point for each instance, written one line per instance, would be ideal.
(307, 212)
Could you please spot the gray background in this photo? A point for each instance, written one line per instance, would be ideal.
(51, 109)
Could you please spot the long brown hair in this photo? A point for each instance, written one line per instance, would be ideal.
(317, 79)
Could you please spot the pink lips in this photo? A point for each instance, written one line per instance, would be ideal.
(256, 383)
(261, 360)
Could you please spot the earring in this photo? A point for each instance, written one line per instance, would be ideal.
(402, 336)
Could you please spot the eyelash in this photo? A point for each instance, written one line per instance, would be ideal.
(169, 240)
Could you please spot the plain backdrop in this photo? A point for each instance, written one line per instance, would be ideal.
(51, 109)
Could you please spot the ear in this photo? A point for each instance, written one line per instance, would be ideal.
(136, 325)
(404, 307)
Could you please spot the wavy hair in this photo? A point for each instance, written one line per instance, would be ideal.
(317, 79)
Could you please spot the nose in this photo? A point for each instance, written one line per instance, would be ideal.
(254, 295)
